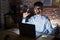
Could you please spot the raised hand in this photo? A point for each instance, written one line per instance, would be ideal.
(25, 14)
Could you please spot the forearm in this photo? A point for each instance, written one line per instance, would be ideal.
(49, 29)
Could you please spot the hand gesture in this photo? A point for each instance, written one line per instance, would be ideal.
(25, 14)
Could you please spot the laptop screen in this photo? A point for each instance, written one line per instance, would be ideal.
(27, 30)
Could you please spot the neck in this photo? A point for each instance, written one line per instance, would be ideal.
(38, 14)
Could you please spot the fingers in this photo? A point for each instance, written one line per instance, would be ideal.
(26, 14)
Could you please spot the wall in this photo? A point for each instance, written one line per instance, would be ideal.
(31, 2)
(56, 3)
(52, 14)
(4, 9)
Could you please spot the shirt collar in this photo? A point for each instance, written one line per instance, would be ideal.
(37, 16)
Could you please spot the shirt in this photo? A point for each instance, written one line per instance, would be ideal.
(42, 24)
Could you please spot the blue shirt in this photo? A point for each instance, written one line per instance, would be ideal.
(42, 24)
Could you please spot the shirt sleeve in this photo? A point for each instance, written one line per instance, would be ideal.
(23, 20)
(28, 22)
(49, 29)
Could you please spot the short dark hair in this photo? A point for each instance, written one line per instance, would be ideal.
(40, 4)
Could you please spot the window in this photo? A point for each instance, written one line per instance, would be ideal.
(47, 2)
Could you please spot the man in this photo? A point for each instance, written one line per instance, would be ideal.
(42, 24)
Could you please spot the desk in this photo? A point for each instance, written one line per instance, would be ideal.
(14, 36)
(41, 38)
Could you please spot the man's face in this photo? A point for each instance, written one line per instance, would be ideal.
(37, 10)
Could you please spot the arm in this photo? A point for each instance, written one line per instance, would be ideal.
(23, 20)
(30, 20)
(24, 17)
(49, 29)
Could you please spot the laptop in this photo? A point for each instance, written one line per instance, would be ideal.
(28, 30)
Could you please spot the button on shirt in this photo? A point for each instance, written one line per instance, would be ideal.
(42, 24)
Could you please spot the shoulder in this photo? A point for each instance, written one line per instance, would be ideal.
(45, 18)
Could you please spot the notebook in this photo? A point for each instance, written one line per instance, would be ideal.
(28, 30)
